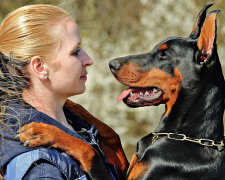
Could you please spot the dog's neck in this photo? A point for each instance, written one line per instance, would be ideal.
(199, 117)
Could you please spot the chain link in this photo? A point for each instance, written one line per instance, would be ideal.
(183, 137)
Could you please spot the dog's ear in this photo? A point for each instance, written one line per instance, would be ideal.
(207, 39)
(199, 22)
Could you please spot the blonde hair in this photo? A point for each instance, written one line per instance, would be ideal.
(30, 31)
(26, 32)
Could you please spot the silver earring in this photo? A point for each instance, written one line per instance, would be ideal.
(45, 77)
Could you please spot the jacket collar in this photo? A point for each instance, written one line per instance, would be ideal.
(18, 115)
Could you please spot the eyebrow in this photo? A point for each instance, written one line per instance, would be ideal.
(163, 47)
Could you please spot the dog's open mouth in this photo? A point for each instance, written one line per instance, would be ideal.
(135, 97)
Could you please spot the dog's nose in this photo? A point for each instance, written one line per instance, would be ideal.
(114, 66)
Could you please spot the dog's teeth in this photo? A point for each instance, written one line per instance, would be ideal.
(147, 93)
(131, 93)
(141, 93)
(155, 90)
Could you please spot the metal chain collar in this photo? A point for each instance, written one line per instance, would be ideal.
(183, 137)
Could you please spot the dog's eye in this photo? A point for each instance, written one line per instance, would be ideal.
(163, 55)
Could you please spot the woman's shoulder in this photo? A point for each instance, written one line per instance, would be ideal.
(44, 162)
(18, 114)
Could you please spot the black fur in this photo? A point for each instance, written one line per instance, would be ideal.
(197, 112)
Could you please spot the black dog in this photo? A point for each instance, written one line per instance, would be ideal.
(184, 74)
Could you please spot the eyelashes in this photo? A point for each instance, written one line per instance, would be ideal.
(76, 53)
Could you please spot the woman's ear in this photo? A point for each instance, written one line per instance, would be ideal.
(39, 68)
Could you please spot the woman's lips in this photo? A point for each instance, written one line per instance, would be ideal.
(84, 77)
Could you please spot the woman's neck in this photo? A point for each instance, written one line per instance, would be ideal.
(47, 103)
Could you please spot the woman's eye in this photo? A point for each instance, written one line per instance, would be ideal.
(76, 53)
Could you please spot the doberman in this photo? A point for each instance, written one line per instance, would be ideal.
(184, 74)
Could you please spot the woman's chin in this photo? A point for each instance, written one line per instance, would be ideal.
(80, 91)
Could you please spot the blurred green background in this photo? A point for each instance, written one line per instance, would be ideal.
(113, 28)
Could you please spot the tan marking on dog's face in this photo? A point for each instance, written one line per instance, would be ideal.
(128, 73)
(174, 90)
(163, 47)
(131, 75)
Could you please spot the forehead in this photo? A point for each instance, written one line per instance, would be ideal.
(70, 34)
(173, 43)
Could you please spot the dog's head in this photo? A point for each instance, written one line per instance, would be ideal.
(176, 63)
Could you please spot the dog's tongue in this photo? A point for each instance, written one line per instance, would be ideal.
(124, 94)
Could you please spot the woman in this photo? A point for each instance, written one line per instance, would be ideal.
(42, 64)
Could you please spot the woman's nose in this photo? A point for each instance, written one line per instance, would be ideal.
(86, 60)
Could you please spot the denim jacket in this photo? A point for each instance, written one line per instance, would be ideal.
(19, 162)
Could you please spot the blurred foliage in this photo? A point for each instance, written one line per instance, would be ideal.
(113, 28)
